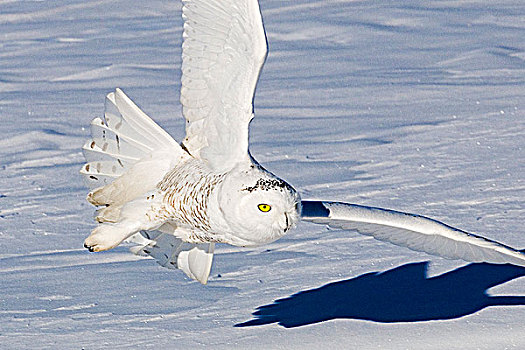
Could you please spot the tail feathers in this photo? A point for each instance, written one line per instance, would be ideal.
(125, 136)
(171, 252)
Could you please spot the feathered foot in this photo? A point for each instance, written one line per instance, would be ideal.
(105, 237)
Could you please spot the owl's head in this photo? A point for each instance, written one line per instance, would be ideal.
(257, 206)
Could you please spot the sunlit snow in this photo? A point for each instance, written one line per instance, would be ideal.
(412, 105)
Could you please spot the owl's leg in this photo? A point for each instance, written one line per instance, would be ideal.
(137, 215)
(107, 236)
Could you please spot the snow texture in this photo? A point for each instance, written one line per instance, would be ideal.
(411, 105)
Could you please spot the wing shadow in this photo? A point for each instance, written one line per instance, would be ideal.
(402, 294)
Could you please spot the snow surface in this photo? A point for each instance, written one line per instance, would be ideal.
(411, 105)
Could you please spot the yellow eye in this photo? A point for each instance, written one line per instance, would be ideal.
(264, 208)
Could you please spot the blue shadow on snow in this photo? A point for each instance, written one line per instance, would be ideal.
(402, 294)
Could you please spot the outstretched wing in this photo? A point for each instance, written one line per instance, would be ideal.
(223, 52)
(411, 231)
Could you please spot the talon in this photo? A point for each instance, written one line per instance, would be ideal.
(88, 247)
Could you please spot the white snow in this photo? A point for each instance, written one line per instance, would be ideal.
(411, 105)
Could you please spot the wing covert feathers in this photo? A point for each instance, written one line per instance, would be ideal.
(412, 231)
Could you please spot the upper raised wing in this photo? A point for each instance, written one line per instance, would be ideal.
(412, 231)
(223, 52)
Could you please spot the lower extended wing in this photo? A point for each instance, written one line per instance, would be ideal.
(171, 252)
(412, 231)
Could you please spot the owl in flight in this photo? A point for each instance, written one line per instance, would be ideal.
(177, 200)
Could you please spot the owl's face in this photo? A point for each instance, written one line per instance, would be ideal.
(258, 206)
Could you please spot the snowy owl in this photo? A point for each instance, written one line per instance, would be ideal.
(177, 200)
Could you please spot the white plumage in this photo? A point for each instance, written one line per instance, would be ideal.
(177, 201)
(223, 52)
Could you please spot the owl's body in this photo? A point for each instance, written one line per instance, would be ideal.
(185, 195)
(191, 201)
(151, 185)
(188, 203)
(178, 200)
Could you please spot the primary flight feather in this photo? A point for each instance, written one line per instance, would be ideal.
(177, 201)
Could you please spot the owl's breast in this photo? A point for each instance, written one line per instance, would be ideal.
(186, 191)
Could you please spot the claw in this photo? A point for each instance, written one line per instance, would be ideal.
(88, 247)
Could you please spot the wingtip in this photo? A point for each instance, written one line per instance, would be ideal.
(117, 94)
